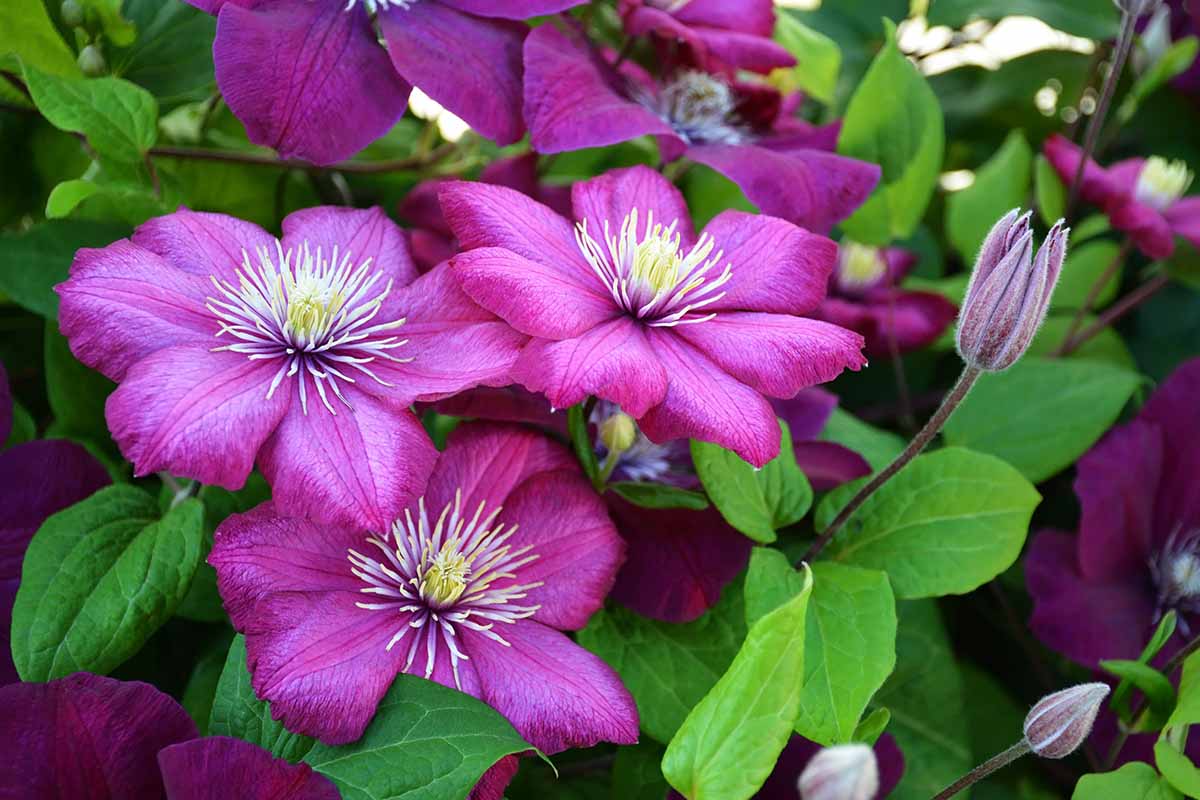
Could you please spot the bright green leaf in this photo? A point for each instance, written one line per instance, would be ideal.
(67, 195)
(1178, 57)
(98, 579)
(1152, 683)
(1134, 781)
(818, 58)
(947, 523)
(876, 445)
(119, 30)
(729, 743)
(27, 32)
(1120, 700)
(872, 726)
(659, 495)
(33, 261)
(426, 742)
(893, 120)
(771, 581)
(1083, 267)
(1176, 767)
(1042, 414)
(1001, 185)
(1049, 189)
(757, 502)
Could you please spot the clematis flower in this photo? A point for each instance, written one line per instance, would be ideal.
(576, 99)
(311, 79)
(37, 479)
(718, 35)
(301, 354)
(1144, 197)
(469, 587)
(1137, 553)
(431, 239)
(88, 737)
(865, 296)
(686, 334)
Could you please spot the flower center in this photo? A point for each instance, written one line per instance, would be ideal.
(441, 576)
(1176, 574)
(650, 276)
(315, 315)
(700, 107)
(859, 266)
(373, 6)
(1162, 182)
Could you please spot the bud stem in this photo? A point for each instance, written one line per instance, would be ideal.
(1117, 310)
(1096, 123)
(1094, 293)
(986, 768)
(956, 395)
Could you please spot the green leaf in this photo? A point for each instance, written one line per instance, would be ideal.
(757, 502)
(172, 56)
(729, 743)
(27, 32)
(1120, 700)
(947, 523)
(426, 742)
(23, 427)
(893, 120)
(872, 726)
(1176, 767)
(67, 195)
(33, 261)
(1001, 185)
(1153, 684)
(636, 774)
(1083, 267)
(668, 667)
(98, 579)
(1178, 57)
(1134, 781)
(76, 394)
(1042, 414)
(201, 687)
(119, 30)
(119, 119)
(876, 445)
(1093, 19)
(771, 581)
(237, 712)
(581, 442)
(1050, 192)
(925, 697)
(659, 495)
(818, 58)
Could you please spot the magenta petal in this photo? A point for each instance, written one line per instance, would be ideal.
(1065, 605)
(827, 464)
(748, 16)
(469, 64)
(453, 344)
(196, 413)
(1096, 187)
(577, 562)
(776, 354)
(492, 784)
(706, 403)
(359, 234)
(806, 413)
(1146, 226)
(777, 267)
(808, 187)
(1184, 219)
(308, 79)
(360, 466)
(202, 243)
(610, 197)
(122, 302)
(536, 299)
(573, 99)
(891, 318)
(86, 737)
(6, 406)
(698, 550)
(512, 9)
(506, 404)
(612, 361)
(744, 51)
(218, 767)
(1173, 409)
(556, 694)
(1116, 482)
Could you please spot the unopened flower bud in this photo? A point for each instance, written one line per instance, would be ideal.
(91, 61)
(842, 772)
(618, 432)
(1060, 722)
(1009, 292)
(71, 13)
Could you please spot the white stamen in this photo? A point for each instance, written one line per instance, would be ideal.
(373, 6)
(700, 107)
(859, 265)
(1162, 182)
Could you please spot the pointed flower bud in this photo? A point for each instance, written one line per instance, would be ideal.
(618, 432)
(1009, 292)
(842, 772)
(1060, 722)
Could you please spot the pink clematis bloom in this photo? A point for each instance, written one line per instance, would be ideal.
(718, 35)
(865, 296)
(574, 98)
(301, 354)
(311, 79)
(687, 334)
(469, 587)
(1141, 196)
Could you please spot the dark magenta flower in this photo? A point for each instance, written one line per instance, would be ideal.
(686, 334)
(470, 587)
(1144, 197)
(36, 480)
(301, 354)
(718, 35)
(1099, 594)
(87, 737)
(865, 296)
(430, 237)
(574, 99)
(312, 80)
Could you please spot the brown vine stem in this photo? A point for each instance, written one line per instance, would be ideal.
(1097, 286)
(924, 436)
(1114, 312)
(986, 768)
